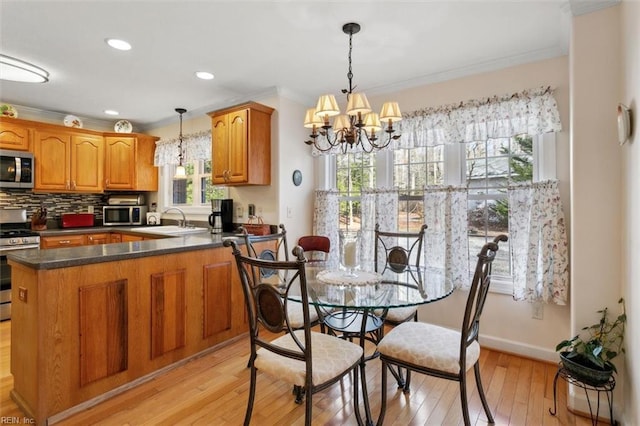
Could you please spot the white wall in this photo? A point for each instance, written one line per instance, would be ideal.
(630, 279)
(506, 324)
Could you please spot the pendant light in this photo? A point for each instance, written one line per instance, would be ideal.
(181, 172)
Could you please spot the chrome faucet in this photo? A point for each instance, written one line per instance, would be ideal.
(182, 223)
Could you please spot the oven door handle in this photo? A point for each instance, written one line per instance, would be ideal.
(6, 249)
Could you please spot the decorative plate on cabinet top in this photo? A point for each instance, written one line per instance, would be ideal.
(123, 126)
(8, 111)
(72, 121)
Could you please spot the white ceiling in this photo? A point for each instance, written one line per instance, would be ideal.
(254, 47)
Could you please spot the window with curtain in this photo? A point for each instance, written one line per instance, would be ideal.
(476, 162)
(196, 191)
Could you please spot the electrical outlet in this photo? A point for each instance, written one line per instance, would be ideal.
(239, 212)
(537, 310)
(289, 212)
(22, 294)
(90, 209)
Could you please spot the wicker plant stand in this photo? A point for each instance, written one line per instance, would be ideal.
(607, 388)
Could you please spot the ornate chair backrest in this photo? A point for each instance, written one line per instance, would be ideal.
(396, 257)
(313, 244)
(267, 301)
(478, 295)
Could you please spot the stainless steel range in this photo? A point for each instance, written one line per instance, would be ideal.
(14, 235)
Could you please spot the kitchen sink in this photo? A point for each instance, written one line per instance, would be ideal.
(171, 230)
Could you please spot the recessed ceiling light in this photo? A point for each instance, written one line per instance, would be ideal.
(13, 69)
(111, 112)
(118, 44)
(204, 75)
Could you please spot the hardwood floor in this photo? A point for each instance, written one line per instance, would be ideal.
(212, 390)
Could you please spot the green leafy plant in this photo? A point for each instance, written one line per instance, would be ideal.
(599, 343)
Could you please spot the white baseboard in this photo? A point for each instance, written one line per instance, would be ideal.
(519, 348)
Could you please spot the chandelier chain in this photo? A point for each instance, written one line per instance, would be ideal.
(350, 73)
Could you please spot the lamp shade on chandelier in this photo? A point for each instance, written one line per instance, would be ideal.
(181, 172)
(359, 125)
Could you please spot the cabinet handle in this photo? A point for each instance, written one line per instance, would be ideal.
(67, 186)
(64, 242)
(73, 185)
(106, 182)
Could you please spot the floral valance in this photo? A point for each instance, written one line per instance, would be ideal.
(195, 146)
(532, 112)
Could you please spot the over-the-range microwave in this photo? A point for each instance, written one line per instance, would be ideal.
(16, 169)
(124, 215)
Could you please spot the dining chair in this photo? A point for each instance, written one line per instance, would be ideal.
(398, 259)
(443, 352)
(396, 253)
(309, 360)
(314, 246)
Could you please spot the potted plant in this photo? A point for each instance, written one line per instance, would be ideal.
(588, 355)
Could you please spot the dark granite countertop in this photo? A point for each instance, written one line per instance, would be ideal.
(84, 255)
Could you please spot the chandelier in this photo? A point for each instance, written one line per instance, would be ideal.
(181, 172)
(359, 126)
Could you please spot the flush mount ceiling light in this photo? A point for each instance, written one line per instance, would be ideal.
(118, 44)
(358, 126)
(203, 75)
(13, 69)
(181, 172)
(111, 112)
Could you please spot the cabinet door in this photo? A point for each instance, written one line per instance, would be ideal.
(219, 149)
(115, 237)
(128, 237)
(87, 160)
(120, 164)
(51, 152)
(237, 146)
(14, 136)
(103, 238)
(62, 241)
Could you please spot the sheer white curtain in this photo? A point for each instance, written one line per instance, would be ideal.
(326, 221)
(538, 241)
(195, 146)
(378, 206)
(446, 241)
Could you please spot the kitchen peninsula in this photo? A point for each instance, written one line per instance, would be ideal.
(89, 322)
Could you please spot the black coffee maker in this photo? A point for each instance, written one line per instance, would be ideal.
(221, 217)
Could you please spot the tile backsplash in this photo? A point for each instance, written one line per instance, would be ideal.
(56, 204)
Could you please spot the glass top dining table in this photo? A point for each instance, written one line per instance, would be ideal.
(413, 286)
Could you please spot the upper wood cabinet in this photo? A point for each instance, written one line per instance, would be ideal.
(129, 162)
(68, 161)
(14, 135)
(241, 145)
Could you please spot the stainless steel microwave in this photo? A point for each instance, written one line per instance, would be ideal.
(16, 169)
(124, 215)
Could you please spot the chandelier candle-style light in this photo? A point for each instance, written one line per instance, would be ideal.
(181, 172)
(359, 126)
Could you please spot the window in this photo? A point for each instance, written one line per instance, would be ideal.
(485, 168)
(196, 190)
(354, 171)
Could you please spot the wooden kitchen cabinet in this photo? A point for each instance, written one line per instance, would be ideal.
(101, 238)
(62, 241)
(129, 162)
(241, 145)
(67, 161)
(14, 135)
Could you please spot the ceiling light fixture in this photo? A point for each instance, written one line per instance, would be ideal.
(359, 125)
(203, 75)
(118, 44)
(181, 172)
(13, 69)
(111, 112)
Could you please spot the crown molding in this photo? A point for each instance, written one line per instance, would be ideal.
(582, 7)
(488, 66)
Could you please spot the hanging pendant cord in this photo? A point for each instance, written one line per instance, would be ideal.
(350, 73)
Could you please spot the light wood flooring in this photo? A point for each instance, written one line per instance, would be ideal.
(212, 390)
